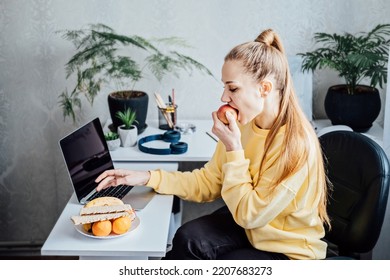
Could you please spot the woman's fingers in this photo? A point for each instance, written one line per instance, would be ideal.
(105, 174)
(109, 178)
(115, 177)
(105, 183)
(230, 134)
(111, 172)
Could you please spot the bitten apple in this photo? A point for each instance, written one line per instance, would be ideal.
(221, 113)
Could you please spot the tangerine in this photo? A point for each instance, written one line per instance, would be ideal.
(121, 225)
(102, 228)
(87, 227)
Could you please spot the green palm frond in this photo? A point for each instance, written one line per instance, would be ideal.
(69, 103)
(189, 63)
(354, 57)
(172, 41)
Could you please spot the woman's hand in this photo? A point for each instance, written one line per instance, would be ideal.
(115, 177)
(230, 134)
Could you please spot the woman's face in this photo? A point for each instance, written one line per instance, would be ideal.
(241, 91)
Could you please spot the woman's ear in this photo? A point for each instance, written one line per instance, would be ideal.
(266, 87)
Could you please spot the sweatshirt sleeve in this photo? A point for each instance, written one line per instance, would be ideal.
(251, 205)
(200, 185)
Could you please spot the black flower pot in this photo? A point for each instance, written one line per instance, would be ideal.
(358, 110)
(135, 100)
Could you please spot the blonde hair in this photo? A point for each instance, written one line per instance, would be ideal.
(266, 57)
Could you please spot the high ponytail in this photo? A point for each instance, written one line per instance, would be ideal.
(271, 39)
(265, 57)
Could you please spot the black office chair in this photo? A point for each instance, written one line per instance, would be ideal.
(359, 171)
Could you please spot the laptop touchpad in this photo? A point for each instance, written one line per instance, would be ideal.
(139, 197)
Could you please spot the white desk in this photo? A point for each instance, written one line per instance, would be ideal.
(150, 238)
(200, 146)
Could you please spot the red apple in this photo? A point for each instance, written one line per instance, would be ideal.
(221, 113)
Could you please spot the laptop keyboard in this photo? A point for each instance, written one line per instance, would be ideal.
(118, 191)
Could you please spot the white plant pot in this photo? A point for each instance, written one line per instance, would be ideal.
(128, 137)
(113, 144)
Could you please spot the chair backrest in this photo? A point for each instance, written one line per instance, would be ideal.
(359, 171)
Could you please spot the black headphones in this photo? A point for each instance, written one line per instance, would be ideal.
(171, 136)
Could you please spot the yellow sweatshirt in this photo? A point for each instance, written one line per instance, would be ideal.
(286, 222)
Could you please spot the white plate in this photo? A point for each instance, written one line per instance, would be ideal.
(134, 224)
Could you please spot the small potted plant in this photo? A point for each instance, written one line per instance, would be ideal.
(128, 132)
(112, 139)
(355, 58)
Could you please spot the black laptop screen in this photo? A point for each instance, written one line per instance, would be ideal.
(86, 155)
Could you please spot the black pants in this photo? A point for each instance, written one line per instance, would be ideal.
(215, 237)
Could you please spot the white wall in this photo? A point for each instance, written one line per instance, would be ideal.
(34, 186)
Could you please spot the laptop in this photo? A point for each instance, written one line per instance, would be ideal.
(86, 156)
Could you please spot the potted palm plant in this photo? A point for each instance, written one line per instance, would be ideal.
(105, 58)
(355, 58)
(112, 139)
(128, 132)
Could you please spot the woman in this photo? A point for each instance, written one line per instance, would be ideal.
(267, 168)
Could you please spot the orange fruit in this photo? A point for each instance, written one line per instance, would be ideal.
(101, 228)
(121, 225)
(87, 227)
